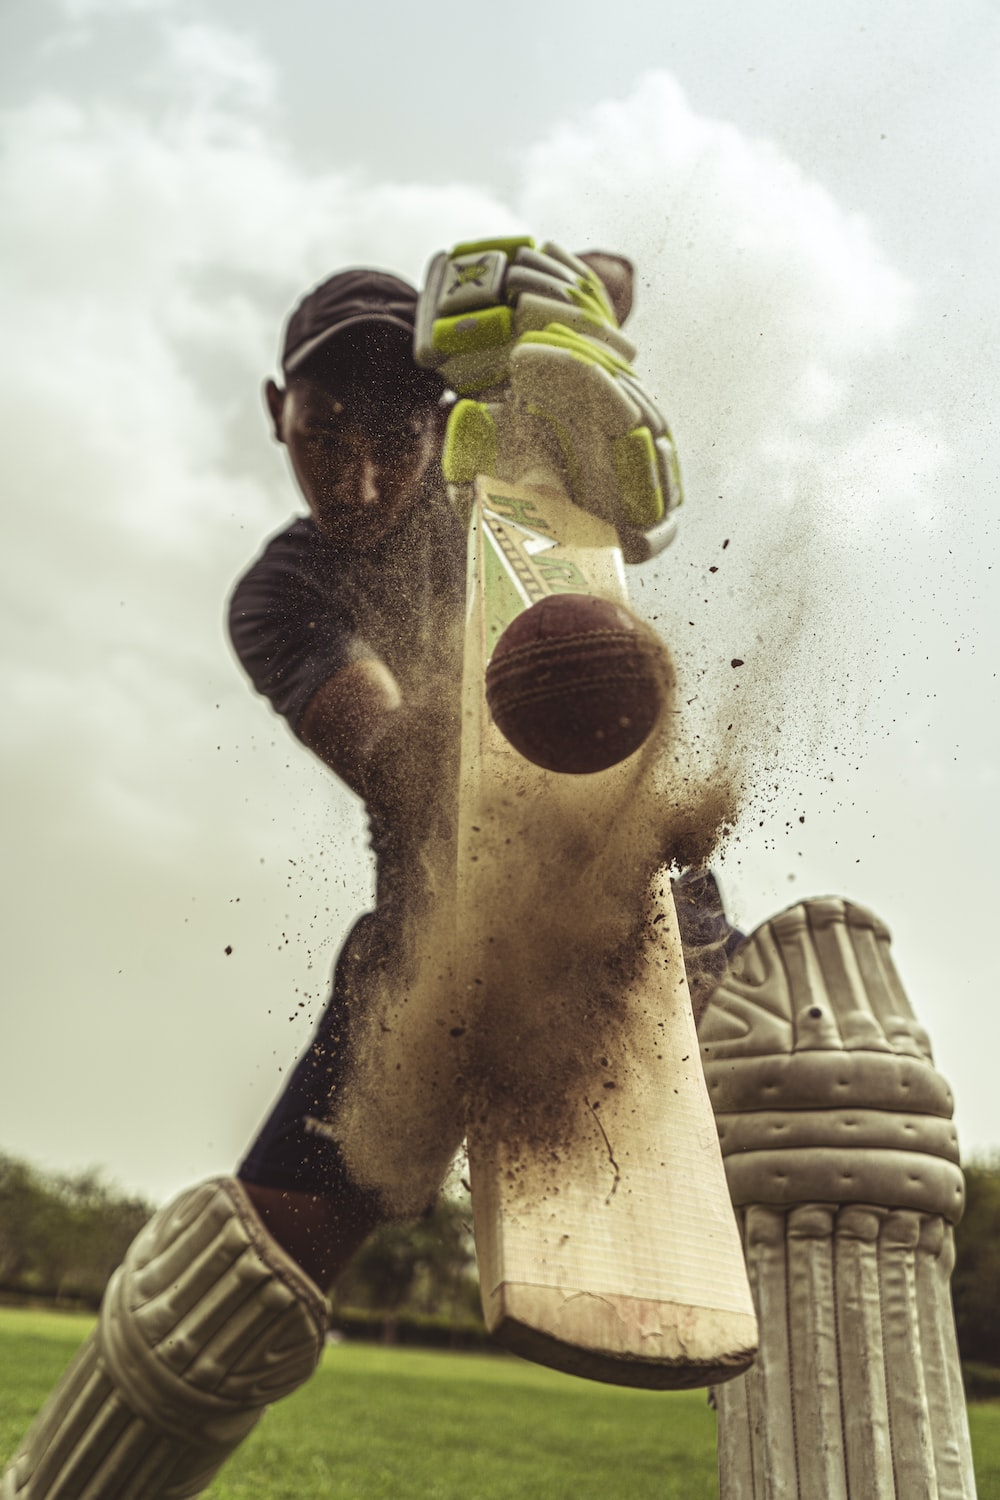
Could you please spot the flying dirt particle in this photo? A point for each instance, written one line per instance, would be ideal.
(737, 661)
(228, 949)
(513, 1044)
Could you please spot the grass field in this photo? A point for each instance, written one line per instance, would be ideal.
(381, 1424)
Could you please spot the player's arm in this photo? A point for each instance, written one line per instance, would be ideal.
(347, 718)
(301, 652)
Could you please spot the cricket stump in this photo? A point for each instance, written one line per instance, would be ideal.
(843, 1165)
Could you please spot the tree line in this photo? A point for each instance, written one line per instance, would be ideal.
(62, 1234)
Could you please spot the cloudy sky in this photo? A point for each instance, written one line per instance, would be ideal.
(809, 194)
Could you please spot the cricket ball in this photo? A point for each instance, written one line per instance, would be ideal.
(576, 683)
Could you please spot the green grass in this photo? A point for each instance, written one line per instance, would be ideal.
(382, 1424)
(984, 1425)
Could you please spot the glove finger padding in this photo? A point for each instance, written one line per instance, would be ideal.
(535, 329)
(481, 297)
(615, 445)
(617, 464)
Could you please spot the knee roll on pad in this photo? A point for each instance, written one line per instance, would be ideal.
(820, 1075)
(205, 1323)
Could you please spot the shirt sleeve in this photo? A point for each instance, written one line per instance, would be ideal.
(288, 626)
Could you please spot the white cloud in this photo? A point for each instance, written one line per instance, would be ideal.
(85, 10)
(156, 810)
(150, 252)
(765, 316)
(210, 67)
(759, 298)
(147, 258)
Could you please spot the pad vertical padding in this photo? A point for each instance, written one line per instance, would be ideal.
(205, 1323)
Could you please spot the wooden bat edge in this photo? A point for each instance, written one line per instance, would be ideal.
(715, 1346)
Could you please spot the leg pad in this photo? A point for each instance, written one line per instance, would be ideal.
(205, 1323)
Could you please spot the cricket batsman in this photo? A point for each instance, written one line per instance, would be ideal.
(349, 623)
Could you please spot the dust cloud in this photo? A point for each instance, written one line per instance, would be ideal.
(510, 998)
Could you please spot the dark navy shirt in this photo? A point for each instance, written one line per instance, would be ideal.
(307, 608)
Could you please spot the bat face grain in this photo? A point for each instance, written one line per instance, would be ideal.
(606, 1239)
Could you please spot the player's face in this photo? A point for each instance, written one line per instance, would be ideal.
(358, 466)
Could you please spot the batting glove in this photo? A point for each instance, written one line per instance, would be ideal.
(500, 318)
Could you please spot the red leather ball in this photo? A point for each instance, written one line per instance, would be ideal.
(576, 683)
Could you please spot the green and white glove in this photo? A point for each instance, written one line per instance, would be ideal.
(533, 330)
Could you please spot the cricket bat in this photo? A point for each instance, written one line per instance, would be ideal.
(605, 1237)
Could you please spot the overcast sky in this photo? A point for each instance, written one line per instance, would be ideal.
(809, 193)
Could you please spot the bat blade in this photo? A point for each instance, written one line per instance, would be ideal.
(606, 1241)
